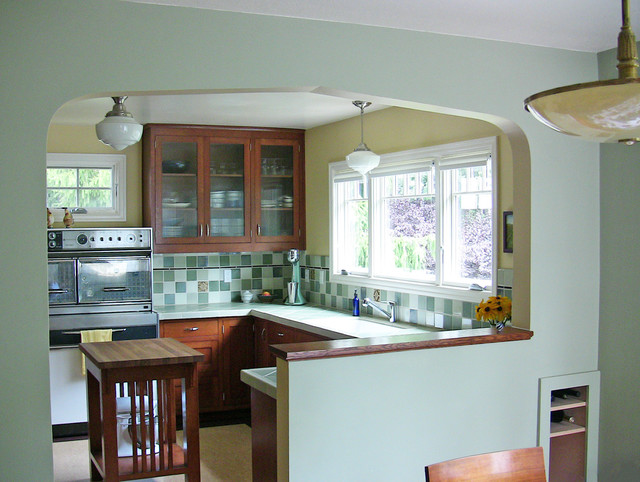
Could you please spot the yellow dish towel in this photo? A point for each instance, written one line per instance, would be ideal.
(90, 336)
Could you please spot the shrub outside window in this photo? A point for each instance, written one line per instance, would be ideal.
(426, 223)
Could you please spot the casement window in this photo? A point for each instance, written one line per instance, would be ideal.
(423, 223)
(92, 186)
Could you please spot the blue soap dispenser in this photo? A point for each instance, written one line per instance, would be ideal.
(356, 304)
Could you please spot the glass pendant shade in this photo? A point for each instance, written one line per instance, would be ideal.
(607, 111)
(362, 159)
(119, 129)
(602, 111)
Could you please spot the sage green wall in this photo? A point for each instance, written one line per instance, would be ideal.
(619, 304)
(53, 52)
(82, 139)
(390, 130)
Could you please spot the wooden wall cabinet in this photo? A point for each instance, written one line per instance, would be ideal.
(569, 426)
(223, 189)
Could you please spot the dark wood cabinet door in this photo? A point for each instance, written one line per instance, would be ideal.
(278, 190)
(209, 389)
(261, 343)
(237, 354)
(202, 335)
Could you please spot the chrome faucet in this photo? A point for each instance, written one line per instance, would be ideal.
(391, 314)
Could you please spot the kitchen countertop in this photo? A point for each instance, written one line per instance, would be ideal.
(315, 319)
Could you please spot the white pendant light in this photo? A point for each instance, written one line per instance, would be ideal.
(362, 159)
(603, 111)
(119, 129)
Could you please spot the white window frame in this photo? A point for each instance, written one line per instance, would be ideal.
(118, 165)
(401, 162)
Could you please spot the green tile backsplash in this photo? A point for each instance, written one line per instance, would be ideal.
(200, 278)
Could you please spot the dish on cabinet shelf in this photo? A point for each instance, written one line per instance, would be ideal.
(176, 205)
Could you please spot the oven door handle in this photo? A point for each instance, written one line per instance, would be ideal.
(58, 291)
(116, 330)
(115, 288)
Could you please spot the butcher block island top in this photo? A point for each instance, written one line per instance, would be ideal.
(139, 353)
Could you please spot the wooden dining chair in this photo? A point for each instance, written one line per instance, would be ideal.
(512, 465)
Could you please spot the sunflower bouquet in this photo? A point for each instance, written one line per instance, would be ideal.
(496, 311)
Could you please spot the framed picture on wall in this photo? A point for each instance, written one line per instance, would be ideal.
(507, 231)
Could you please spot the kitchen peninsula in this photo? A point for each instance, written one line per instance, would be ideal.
(345, 334)
(339, 335)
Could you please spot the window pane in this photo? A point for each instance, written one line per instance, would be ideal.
(94, 178)
(471, 225)
(352, 227)
(474, 240)
(61, 177)
(410, 237)
(95, 198)
(58, 198)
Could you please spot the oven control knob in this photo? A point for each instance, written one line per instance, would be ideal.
(52, 244)
(52, 235)
(82, 239)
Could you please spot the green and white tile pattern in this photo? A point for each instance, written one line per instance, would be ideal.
(200, 278)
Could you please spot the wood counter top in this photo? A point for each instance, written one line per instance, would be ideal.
(138, 353)
(366, 346)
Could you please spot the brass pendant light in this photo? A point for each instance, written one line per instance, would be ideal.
(602, 111)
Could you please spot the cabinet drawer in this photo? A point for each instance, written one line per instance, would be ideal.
(190, 328)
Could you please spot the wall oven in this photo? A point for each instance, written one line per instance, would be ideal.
(98, 279)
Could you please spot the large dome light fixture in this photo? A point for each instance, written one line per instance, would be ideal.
(362, 159)
(602, 111)
(119, 129)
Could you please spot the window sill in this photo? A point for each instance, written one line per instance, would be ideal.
(461, 294)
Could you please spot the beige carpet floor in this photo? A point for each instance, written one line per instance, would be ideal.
(225, 455)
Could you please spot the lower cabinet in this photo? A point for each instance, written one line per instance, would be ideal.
(230, 344)
(237, 354)
(203, 335)
(272, 333)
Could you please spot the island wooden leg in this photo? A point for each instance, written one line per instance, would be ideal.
(109, 427)
(190, 418)
(94, 425)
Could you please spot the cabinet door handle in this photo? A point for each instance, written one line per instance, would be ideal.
(195, 328)
(259, 230)
(263, 334)
(201, 230)
(208, 230)
(280, 334)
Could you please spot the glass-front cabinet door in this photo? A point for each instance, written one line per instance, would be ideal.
(228, 189)
(179, 179)
(278, 189)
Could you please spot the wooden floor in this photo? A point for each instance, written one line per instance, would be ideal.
(225, 455)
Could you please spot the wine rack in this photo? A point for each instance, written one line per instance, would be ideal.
(568, 425)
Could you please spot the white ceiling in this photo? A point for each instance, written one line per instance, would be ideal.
(583, 25)
(301, 109)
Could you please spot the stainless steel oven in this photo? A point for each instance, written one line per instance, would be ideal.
(98, 279)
